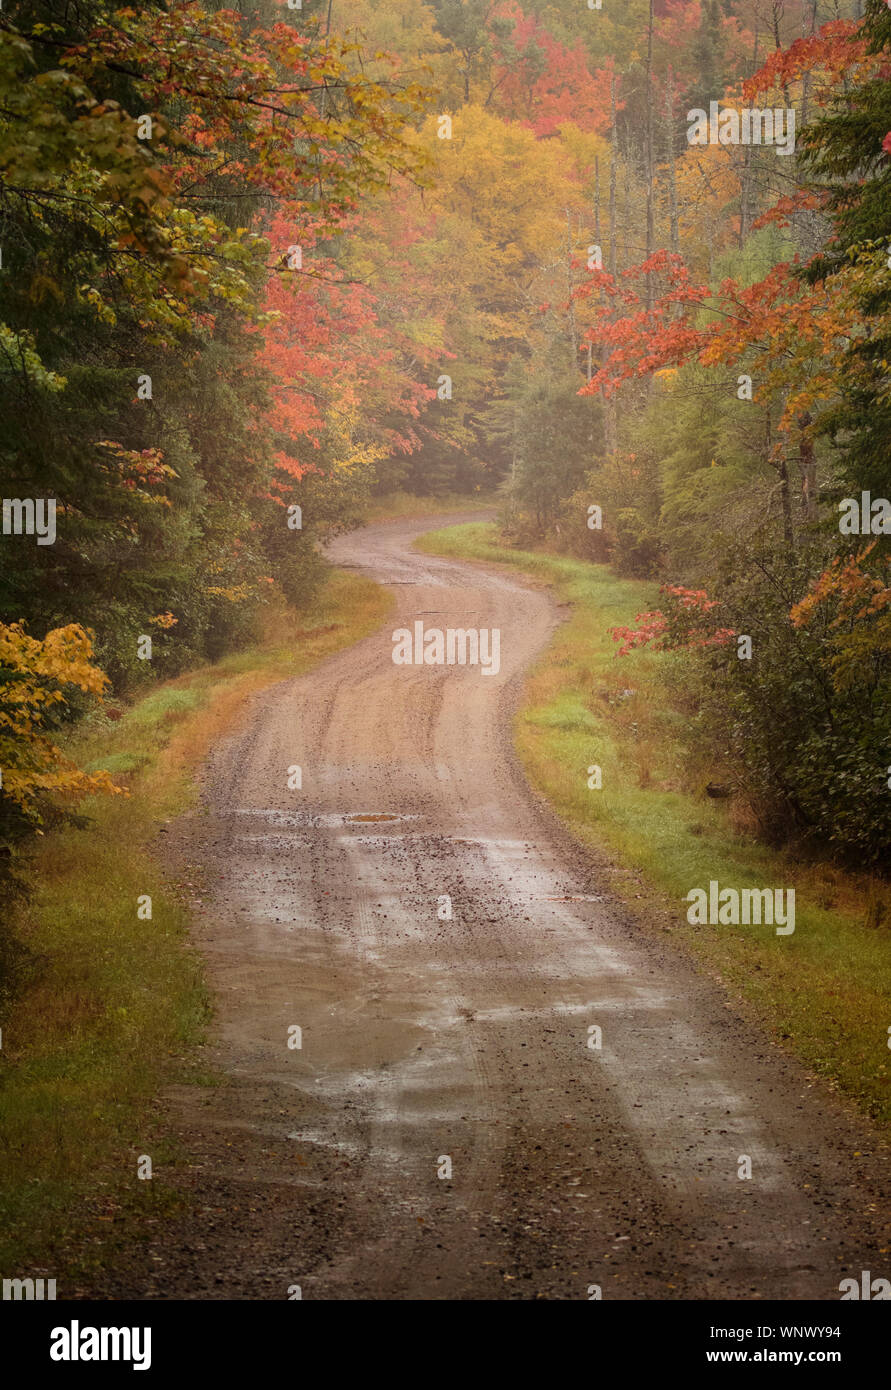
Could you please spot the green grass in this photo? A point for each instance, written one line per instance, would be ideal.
(398, 506)
(825, 991)
(115, 1003)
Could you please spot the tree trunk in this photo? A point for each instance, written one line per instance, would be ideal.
(744, 196)
(808, 469)
(609, 409)
(648, 173)
(672, 181)
(613, 161)
(783, 473)
(573, 338)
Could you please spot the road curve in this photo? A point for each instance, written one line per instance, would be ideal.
(425, 1039)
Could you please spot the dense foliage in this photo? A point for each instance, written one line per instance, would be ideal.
(259, 265)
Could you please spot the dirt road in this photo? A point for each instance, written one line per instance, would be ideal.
(429, 1041)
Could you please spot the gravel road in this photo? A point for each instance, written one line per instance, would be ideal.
(432, 1044)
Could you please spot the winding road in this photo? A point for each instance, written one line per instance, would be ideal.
(444, 1130)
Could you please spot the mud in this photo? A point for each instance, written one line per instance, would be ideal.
(425, 1039)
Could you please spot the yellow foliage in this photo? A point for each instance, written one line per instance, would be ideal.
(164, 620)
(233, 593)
(33, 675)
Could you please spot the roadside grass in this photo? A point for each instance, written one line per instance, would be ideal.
(115, 1003)
(825, 991)
(398, 506)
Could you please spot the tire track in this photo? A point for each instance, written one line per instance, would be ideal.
(426, 1034)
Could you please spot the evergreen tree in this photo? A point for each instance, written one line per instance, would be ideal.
(844, 154)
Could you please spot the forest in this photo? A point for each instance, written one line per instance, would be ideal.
(445, 664)
(627, 265)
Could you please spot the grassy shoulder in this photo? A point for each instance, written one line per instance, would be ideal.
(825, 991)
(116, 1001)
(405, 506)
